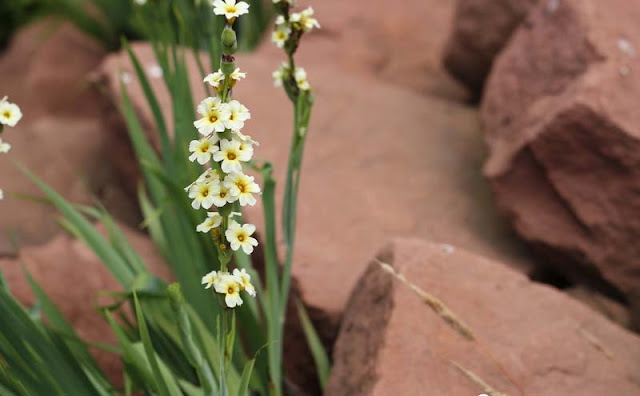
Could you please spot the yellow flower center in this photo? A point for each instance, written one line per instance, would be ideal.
(230, 290)
(223, 194)
(213, 118)
(231, 156)
(6, 114)
(204, 148)
(230, 9)
(241, 238)
(241, 186)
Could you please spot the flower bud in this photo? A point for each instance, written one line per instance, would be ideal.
(229, 41)
(175, 295)
(227, 67)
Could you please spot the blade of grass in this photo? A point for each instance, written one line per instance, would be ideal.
(319, 354)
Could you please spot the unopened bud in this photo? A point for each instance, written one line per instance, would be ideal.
(229, 41)
(175, 295)
(227, 67)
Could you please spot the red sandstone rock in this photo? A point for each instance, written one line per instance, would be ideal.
(60, 138)
(481, 28)
(562, 123)
(392, 343)
(72, 275)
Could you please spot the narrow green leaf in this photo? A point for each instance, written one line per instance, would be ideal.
(58, 322)
(158, 116)
(87, 233)
(246, 376)
(320, 356)
(148, 349)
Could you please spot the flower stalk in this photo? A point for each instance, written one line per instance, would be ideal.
(290, 27)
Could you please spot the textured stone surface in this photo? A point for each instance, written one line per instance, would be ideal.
(562, 124)
(529, 339)
(611, 309)
(72, 275)
(481, 28)
(60, 138)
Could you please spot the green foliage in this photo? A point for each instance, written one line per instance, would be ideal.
(109, 20)
(44, 360)
(181, 339)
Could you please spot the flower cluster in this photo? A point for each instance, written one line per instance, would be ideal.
(10, 114)
(230, 285)
(225, 149)
(299, 76)
(290, 26)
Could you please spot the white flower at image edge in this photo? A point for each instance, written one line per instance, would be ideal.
(229, 8)
(10, 113)
(4, 146)
(229, 285)
(213, 220)
(239, 236)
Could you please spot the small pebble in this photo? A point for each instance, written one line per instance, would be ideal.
(446, 248)
(625, 46)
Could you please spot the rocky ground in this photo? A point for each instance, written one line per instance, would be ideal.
(396, 153)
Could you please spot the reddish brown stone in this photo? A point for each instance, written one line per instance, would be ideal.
(561, 120)
(481, 28)
(61, 137)
(529, 339)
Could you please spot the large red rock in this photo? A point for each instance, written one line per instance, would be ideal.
(61, 137)
(481, 28)
(529, 339)
(562, 123)
(71, 275)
